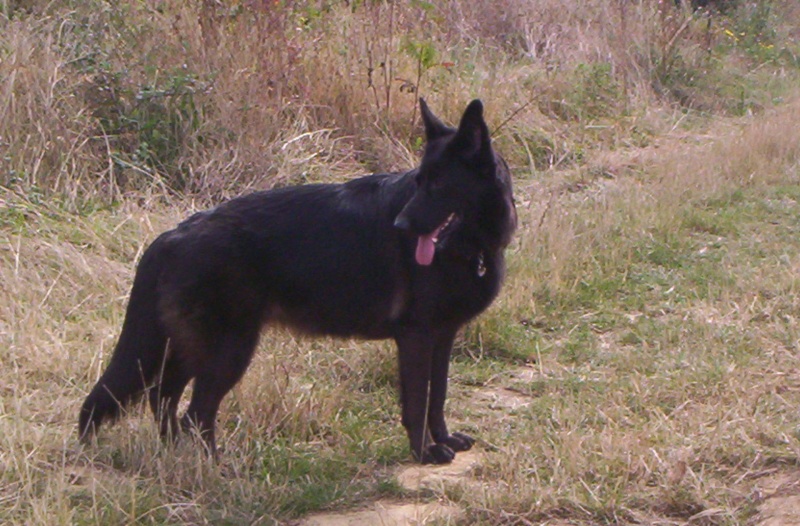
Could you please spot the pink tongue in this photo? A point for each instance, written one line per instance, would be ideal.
(425, 249)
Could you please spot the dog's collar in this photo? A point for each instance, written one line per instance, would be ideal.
(481, 265)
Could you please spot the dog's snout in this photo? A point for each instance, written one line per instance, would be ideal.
(401, 222)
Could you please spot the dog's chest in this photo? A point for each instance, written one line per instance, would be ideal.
(458, 289)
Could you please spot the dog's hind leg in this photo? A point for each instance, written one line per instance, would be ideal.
(439, 367)
(216, 376)
(415, 350)
(166, 393)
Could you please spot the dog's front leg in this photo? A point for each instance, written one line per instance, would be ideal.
(415, 349)
(440, 364)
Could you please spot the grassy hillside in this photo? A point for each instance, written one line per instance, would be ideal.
(648, 327)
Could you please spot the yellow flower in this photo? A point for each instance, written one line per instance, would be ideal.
(731, 34)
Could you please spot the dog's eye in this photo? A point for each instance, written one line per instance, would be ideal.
(437, 184)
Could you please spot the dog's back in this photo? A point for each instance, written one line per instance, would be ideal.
(324, 259)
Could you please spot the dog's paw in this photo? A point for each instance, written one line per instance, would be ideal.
(438, 454)
(458, 441)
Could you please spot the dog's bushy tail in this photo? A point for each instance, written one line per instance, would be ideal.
(139, 352)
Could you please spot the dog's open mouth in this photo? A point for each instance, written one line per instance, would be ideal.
(426, 244)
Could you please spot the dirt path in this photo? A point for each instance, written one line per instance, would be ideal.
(387, 513)
(431, 478)
(412, 478)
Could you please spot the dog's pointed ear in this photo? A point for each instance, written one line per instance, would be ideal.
(473, 136)
(434, 128)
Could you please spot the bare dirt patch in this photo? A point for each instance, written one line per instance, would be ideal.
(418, 477)
(781, 505)
(387, 513)
(413, 478)
(501, 398)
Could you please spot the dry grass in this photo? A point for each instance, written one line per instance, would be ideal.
(653, 285)
(672, 386)
(209, 98)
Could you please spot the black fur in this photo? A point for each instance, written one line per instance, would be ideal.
(354, 259)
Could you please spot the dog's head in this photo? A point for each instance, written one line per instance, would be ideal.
(460, 182)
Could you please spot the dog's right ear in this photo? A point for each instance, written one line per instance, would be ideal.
(434, 128)
(473, 137)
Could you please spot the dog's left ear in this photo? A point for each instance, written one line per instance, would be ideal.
(472, 137)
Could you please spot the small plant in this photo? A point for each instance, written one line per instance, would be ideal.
(752, 29)
(147, 126)
(595, 92)
(425, 56)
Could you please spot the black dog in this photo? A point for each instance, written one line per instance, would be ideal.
(409, 256)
